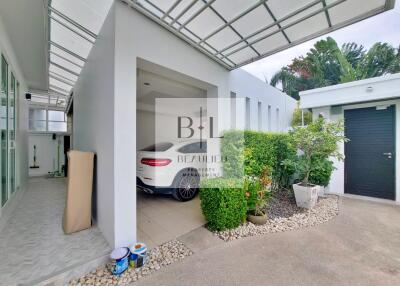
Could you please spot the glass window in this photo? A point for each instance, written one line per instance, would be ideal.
(56, 126)
(198, 147)
(44, 120)
(56, 115)
(37, 114)
(160, 147)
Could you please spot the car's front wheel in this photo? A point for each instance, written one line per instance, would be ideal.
(186, 185)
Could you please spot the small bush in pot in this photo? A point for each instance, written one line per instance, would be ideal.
(257, 192)
(321, 173)
(223, 202)
(318, 139)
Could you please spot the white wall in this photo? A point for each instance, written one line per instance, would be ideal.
(93, 127)
(46, 153)
(138, 37)
(105, 106)
(22, 110)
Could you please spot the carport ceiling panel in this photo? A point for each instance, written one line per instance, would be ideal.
(307, 27)
(73, 25)
(231, 8)
(242, 55)
(205, 23)
(88, 13)
(69, 40)
(186, 9)
(219, 40)
(252, 21)
(271, 43)
(254, 28)
(60, 61)
(352, 9)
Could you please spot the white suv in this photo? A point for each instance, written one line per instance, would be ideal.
(172, 168)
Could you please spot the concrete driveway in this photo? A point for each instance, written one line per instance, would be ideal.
(359, 247)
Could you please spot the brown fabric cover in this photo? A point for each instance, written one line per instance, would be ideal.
(78, 205)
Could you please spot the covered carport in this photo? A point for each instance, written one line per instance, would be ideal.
(204, 40)
(85, 55)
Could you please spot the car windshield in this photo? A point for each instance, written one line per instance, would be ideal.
(159, 147)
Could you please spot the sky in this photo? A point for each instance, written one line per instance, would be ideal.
(384, 27)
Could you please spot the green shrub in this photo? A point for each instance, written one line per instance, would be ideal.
(319, 139)
(322, 171)
(257, 196)
(223, 203)
(297, 119)
(250, 152)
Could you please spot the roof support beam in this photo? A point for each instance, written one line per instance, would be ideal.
(72, 22)
(287, 26)
(183, 12)
(65, 59)
(275, 20)
(72, 30)
(196, 14)
(233, 29)
(67, 51)
(64, 68)
(54, 74)
(228, 23)
(177, 2)
(59, 90)
(174, 31)
(328, 18)
(270, 26)
(186, 29)
(61, 80)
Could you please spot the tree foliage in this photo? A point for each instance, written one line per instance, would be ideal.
(318, 139)
(327, 64)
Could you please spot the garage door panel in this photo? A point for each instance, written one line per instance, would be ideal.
(368, 171)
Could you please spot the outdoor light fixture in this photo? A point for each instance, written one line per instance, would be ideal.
(369, 89)
(28, 96)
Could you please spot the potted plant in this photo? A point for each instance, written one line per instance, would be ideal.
(321, 173)
(318, 139)
(257, 194)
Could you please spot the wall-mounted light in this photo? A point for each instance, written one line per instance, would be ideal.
(369, 89)
(28, 96)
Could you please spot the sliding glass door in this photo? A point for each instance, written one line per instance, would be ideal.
(11, 134)
(4, 131)
(8, 95)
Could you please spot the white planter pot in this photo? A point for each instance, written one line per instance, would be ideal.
(321, 191)
(306, 196)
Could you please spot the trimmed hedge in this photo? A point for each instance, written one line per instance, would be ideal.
(253, 151)
(223, 203)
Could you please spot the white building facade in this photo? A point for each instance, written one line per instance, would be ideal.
(370, 110)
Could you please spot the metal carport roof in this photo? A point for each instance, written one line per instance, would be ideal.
(237, 32)
(231, 32)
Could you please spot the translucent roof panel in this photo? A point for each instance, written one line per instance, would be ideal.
(237, 32)
(73, 25)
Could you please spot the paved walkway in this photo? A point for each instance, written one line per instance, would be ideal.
(359, 247)
(33, 245)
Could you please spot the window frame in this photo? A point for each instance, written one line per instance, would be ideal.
(47, 120)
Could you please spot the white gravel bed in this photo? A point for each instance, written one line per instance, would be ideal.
(325, 210)
(158, 257)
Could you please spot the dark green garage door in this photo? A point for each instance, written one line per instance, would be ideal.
(370, 153)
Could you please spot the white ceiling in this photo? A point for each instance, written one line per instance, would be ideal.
(151, 86)
(24, 21)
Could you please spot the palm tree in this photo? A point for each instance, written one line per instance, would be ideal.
(326, 64)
